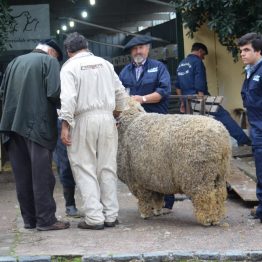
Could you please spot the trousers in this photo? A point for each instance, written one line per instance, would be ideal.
(92, 156)
(231, 125)
(35, 182)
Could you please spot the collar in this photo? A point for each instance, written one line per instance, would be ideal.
(251, 68)
(82, 53)
(136, 65)
(39, 51)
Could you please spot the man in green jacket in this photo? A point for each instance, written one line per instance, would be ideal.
(30, 93)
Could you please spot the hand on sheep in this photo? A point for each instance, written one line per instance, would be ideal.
(138, 99)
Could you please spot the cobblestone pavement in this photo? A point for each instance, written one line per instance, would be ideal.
(170, 234)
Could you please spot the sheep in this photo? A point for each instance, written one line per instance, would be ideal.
(168, 154)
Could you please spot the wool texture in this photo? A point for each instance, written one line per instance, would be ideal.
(168, 154)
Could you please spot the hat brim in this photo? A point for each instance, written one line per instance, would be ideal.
(138, 40)
(55, 46)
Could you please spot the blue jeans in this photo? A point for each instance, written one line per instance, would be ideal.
(61, 159)
(231, 125)
(169, 201)
(257, 151)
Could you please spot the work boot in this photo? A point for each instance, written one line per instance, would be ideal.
(69, 195)
(111, 224)
(58, 225)
(253, 213)
(84, 225)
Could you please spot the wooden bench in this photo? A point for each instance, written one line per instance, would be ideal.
(199, 105)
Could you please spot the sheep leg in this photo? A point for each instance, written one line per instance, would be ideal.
(157, 203)
(209, 206)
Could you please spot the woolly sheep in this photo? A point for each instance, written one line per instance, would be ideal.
(169, 154)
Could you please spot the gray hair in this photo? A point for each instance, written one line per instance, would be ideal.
(44, 47)
(75, 42)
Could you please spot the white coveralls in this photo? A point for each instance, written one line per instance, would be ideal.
(90, 91)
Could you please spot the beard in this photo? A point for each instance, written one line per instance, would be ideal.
(139, 59)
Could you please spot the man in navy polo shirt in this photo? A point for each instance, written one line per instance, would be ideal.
(191, 80)
(149, 83)
(251, 53)
(147, 79)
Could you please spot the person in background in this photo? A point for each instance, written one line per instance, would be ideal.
(251, 53)
(148, 82)
(90, 92)
(191, 80)
(65, 174)
(30, 96)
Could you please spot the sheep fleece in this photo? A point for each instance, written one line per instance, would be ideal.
(170, 154)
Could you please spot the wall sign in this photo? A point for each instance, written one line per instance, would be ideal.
(32, 23)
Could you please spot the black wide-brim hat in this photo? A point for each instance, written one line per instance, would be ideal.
(138, 40)
(53, 44)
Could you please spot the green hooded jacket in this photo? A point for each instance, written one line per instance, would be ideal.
(30, 93)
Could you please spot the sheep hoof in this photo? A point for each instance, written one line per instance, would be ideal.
(206, 224)
(144, 216)
(166, 211)
(157, 212)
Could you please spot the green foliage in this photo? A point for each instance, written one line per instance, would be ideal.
(230, 19)
(6, 21)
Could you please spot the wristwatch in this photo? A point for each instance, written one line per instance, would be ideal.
(144, 99)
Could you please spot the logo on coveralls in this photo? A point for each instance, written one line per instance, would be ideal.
(87, 67)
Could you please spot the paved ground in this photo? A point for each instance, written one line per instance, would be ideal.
(178, 231)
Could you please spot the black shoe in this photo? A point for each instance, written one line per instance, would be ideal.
(58, 225)
(84, 225)
(29, 226)
(111, 224)
(253, 213)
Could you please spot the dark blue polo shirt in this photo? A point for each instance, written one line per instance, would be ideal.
(191, 76)
(154, 78)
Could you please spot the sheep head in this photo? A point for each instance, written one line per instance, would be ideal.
(132, 111)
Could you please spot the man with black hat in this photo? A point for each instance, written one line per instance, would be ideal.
(30, 95)
(148, 80)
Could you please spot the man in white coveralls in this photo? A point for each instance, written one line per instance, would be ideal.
(90, 92)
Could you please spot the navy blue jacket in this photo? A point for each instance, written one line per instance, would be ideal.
(191, 76)
(252, 99)
(252, 94)
(154, 78)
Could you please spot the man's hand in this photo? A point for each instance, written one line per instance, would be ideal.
(65, 133)
(116, 113)
(182, 108)
(138, 99)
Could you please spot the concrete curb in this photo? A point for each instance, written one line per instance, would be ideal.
(178, 256)
(165, 256)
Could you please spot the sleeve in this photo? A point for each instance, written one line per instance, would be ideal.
(68, 96)
(164, 86)
(177, 85)
(52, 81)
(200, 81)
(120, 92)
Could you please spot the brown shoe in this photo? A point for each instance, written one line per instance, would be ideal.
(84, 225)
(111, 224)
(58, 225)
